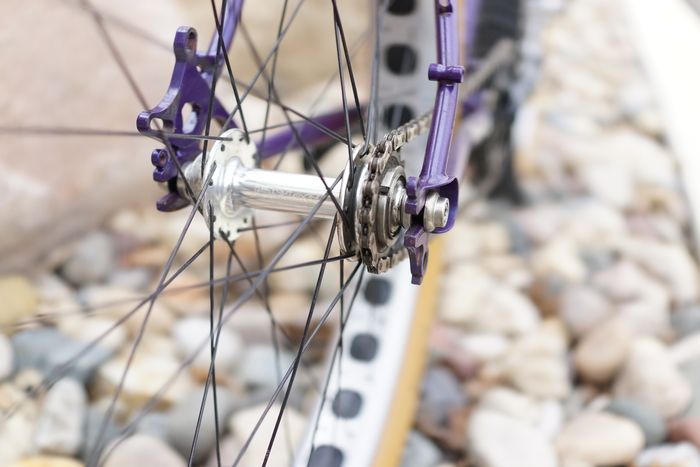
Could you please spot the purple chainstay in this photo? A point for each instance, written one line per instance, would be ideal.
(191, 82)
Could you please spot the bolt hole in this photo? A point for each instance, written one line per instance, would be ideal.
(190, 116)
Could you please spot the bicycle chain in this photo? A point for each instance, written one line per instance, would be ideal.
(377, 156)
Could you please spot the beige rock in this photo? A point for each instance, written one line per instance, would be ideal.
(650, 377)
(48, 461)
(134, 450)
(18, 299)
(603, 351)
(600, 438)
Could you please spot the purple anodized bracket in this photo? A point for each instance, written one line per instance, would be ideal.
(190, 85)
(437, 173)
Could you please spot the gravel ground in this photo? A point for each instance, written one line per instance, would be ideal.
(568, 331)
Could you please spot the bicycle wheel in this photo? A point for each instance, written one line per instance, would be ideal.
(285, 263)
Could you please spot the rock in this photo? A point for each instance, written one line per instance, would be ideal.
(672, 263)
(650, 378)
(622, 281)
(669, 455)
(541, 222)
(47, 461)
(56, 298)
(17, 431)
(559, 258)
(259, 367)
(511, 403)
(600, 438)
(527, 447)
(419, 451)
(444, 345)
(292, 427)
(650, 313)
(686, 350)
(134, 449)
(686, 321)
(691, 371)
(94, 422)
(551, 418)
(191, 333)
(463, 290)
(86, 330)
(148, 375)
(603, 351)
(154, 424)
(582, 308)
(546, 294)
(609, 181)
(504, 311)
(7, 358)
(593, 223)
(18, 300)
(60, 425)
(652, 424)
(536, 364)
(54, 354)
(92, 260)
(228, 448)
(493, 238)
(182, 421)
(685, 429)
(441, 394)
(484, 347)
(462, 245)
(131, 278)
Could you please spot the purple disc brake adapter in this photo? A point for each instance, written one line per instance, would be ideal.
(190, 84)
(194, 73)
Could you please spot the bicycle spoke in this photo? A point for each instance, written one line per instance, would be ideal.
(65, 131)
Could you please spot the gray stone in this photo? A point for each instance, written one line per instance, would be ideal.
(92, 260)
(60, 426)
(651, 423)
(182, 422)
(93, 424)
(258, 369)
(133, 278)
(441, 394)
(686, 321)
(49, 351)
(582, 308)
(691, 371)
(154, 424)
(419, 451)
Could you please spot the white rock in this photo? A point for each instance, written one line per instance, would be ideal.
(669, 455)
(603, 351)
(241, 424)
(60, 425)
(551, 418)
(461, 243)
(582, 308)
(536, 364)
(483, 346)
(511, 403)
(623, 281)
(671, 263)
(609, 181)
(92, 260)
(7, 358)
(190, 333)
(541, 222)
(600, 438)
(686, 349)
(593, 223)
(463, 290)
(17, 431)
(135, 449)
(147, 376)
(651, 378)
(505, 311)
(559, 258)
(526, 447)
(88, 329)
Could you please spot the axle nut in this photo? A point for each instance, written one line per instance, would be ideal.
(436, 212)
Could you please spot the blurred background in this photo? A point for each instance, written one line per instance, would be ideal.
(568, 325)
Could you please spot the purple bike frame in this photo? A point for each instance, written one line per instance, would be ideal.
(194, 73)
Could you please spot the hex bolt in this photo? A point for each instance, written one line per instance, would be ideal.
(436, 212)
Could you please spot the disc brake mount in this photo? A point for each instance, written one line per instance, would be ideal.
(185, 108)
